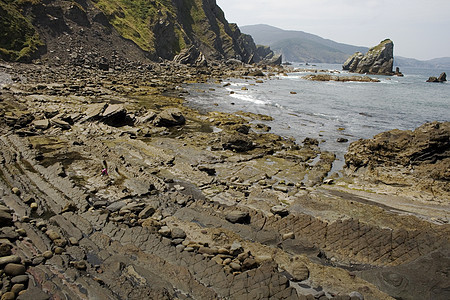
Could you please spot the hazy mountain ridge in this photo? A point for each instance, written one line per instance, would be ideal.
(301, 46)
(435, 63)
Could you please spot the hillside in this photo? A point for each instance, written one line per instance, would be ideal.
(300, 46)
(62, 31)
(436, 63)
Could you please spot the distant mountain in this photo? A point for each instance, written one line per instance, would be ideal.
(436, 63)
(301, 46)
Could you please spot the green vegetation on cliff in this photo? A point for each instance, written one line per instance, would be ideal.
(164, 28)
(19, 40)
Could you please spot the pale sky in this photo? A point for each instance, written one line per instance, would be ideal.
(419, 28)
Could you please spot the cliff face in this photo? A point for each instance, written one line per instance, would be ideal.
(379, 60)
(155, 29)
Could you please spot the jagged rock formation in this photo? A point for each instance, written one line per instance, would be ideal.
(441, 78)
(83, 32)
(418, 160)
(379, 60)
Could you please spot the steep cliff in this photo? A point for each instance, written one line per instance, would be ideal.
(155, 29)
(378, 60)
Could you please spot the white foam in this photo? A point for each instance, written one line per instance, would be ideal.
(248, 98)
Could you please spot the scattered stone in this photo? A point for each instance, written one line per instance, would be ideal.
(165, 231)
(73, 241)
(178, 233)
(80, 265)
(5, 249)
(8, 296)
(235, 266)
(41, 124)
(53, 235)
(147, 212)
(279, 210)
(59, 250)
(21, 232)
(356, 296)
(20, 279)
(289, 236)
(17, 288)
(47, 254)
(15, 191)
(328, 181)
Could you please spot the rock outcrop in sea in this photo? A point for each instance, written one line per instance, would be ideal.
(441, 78)
(378, 60)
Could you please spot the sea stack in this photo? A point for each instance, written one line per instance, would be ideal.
(379, 60)
(441, 78)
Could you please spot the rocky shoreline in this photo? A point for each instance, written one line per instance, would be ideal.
(193, 206)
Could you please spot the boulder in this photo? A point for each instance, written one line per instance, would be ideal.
(192, 56)
(169, 118)
(237, 216)
(236, 141)
(379, 60)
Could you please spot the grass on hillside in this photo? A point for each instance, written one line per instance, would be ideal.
(19, 40)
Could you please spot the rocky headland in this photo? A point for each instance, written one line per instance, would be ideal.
(378, 60)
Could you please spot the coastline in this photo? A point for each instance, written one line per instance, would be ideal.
(235, 192)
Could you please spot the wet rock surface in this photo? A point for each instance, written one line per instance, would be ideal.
(181, 212)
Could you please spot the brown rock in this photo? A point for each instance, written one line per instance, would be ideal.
(14, 269)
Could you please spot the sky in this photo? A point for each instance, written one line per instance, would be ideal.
(420, 29)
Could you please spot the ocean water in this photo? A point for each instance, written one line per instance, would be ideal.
(331, 110)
